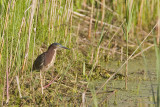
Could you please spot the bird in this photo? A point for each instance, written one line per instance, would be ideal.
(46, 60)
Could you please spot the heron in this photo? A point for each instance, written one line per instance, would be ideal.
(46, 60)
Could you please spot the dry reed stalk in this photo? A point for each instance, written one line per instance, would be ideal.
(97, 57)
(33, 7)
(94, 20)
(7, 73)
(83, 11)
(50, 20)
(109, 9)
(67, 14)
(158, 35)
(92, 56)
(126, 74)
(115, 33)
(84, 3)
(103, 11)
(104, 48)
(4, 90)
(90, 24)
(83, 99)
(43, 11)
(11, 50)
(41, 80)
(107, 98)
(140, 14)
(121, 54)
(19, 89)
(142, 51)
(127, 59)
(32, 61)
(66, 32)
(71, 20)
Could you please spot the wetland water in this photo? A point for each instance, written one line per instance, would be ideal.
(140, 77)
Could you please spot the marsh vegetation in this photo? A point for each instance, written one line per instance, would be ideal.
(114, 56)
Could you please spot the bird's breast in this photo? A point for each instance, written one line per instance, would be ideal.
(50, 59)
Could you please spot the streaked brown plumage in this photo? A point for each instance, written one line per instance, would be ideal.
(46, 60)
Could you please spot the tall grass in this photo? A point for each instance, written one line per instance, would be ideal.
(25, 25)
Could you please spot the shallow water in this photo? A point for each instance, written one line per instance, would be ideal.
(142, 84)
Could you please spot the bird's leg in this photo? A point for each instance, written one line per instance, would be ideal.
(41, 80)
(51, 82)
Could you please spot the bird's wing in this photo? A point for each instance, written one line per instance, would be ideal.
(39, 62)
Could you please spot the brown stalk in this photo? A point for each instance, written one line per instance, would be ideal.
(83, 99)
(140, 53)
(103, 11)
(104, 48)
(4, 90)
(94, 20)
(109, 96)
(7, 73)
(41, 77)
(90, 24)
(158, 35)
(84, 2)
(115, 34)
(11, 50)
(78, 29)
(109, 9)
(50, 20)
(71, 19)
(92, 55)
(126, 74)
(19, 89)
(121, 53)
(140, 14)
(34, 3)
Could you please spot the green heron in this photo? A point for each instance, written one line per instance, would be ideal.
(46, 60)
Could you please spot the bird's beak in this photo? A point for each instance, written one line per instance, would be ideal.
(63, 47)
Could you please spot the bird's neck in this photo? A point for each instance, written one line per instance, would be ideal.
(52, 51)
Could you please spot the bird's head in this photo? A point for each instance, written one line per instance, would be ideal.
(57, 46)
